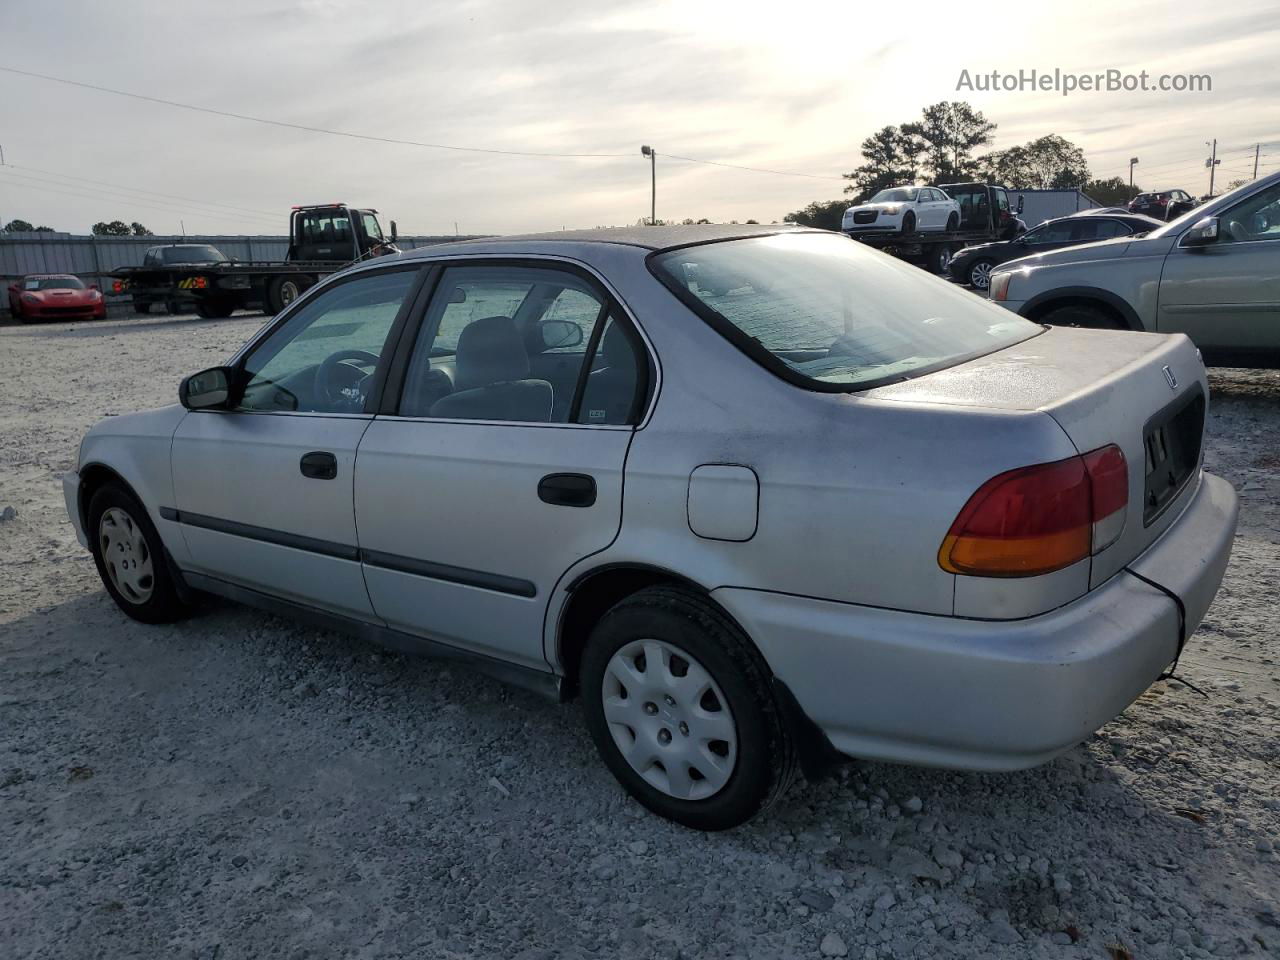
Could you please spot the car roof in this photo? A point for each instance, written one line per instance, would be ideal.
(646, 238)
(50, 276)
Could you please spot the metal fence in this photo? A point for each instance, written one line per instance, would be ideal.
(93, 258)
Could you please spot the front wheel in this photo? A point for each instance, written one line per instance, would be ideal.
(1081, 315)
(953, 223)
(909, 222)
(680, 706)
(130, 557)
(980, 274)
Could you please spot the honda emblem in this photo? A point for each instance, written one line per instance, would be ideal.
(1173, 381)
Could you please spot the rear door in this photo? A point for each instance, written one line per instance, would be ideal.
(264, 491)
(495, 467)
(1226, 296)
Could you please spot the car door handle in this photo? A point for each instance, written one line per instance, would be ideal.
(567, 489)
(319, 465)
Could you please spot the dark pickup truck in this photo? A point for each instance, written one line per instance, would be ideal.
(322, 240)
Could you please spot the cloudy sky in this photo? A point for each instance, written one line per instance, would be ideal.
(790, 86)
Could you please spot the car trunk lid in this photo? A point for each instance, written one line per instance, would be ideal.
(1146, 393)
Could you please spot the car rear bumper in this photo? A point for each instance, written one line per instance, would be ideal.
(993, 695)
(71, 494)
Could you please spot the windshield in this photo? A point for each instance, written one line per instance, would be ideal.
(827, 310)
(896, 195)
(193, 254)
(52, 283)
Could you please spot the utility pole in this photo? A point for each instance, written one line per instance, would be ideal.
(1257, 151)
(1133, 162)
(1212, 163)
(652, 154)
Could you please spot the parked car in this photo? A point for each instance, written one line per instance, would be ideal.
(827, 505)
(985, 210)
(55, 296)
(904, 210)
(973, 265)
(1164, 204)
(170, 296)
(1213, 274)
(1099, 211)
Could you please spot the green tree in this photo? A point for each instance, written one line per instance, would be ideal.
(823, 215)
(948, 132)
(18, 226)
(1112, 192)
(892, 158)
(1049, 163)
(138, 230)
(116, 228)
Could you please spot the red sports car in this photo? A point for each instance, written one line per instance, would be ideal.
(56, 296)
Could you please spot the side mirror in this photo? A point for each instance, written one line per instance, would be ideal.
(1020, 202)
(395, 235)
(1202, 234)
(558, 334)
(207, 390)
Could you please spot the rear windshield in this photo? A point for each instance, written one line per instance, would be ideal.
(192, 255)
(832, 314)
(52, 283)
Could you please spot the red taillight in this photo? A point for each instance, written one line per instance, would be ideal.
(117, 286)
(1038, 519)
(199, 283)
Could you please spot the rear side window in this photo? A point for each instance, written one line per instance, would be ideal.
(830, 314)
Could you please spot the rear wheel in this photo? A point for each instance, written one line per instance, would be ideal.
(953, 223)
(980, 274)
(680, 706)
(130, 557)
(141, 307)
(1082, 315)
(215, 309)
(282, 291)
(909, 222)
(939, 258)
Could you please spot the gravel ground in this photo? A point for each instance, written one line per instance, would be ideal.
(239, 786)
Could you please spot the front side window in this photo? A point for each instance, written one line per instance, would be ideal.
(371, 228)
(1059, 232)
(520, 344)
(322, 359)
(828, 313)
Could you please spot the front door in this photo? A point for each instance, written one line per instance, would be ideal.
(264, 491)
(501, 464)
(1226, 296)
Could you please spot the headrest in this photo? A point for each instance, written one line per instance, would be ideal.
(490, 351)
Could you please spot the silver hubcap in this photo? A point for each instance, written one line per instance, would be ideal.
(125, 555)
(670, 719)
(288, 292)
(980, 275)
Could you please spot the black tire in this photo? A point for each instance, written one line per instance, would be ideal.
(909, 222)
(163, 604)
(939, 258)
(766, 757)
(978, 275)
(141, 308)
(214, 309)
(1082, 315)
(283, 290)
(173, 307)
(953, 223)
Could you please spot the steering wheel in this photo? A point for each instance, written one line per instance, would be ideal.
(340, 381)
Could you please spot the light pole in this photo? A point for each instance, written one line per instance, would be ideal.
(1133, 162)
(1212, 163)
(652, 154)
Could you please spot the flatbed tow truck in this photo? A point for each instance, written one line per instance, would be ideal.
(985, 215)
(322, 240)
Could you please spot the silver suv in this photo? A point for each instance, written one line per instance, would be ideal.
(1213, 274)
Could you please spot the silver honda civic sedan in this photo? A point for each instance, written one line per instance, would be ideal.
(760, 496)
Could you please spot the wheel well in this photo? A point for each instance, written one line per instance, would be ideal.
(1091, 303)
(92, 479)
(591, 597)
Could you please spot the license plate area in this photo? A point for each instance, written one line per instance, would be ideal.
(1171, 441)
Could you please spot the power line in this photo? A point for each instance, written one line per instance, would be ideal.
(119, 186)
(300, 126)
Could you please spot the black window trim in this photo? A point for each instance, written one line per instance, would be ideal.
(612, 307)
(752, 348)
